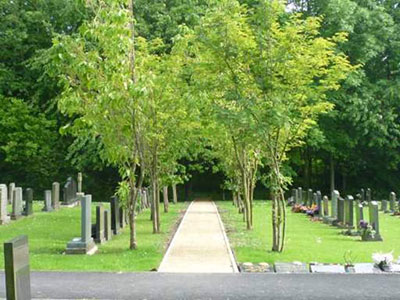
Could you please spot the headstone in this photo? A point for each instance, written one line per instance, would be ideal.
(79, 182)
(28, 210)
(369, 195)
(16, 264)
(100, 232)
(47, 201)
(295, 267)
(11, 188)
(310, 197)
(114, 203)
(107, 225)
(321, 268)
(85, 243)
(359, 213)
(392, 202)
(350, 212)
(69, 192)
(4, 219)
(326, 206)
(340, 211)
(384, 206)
(55, 195)
(374, 219)
(17, 204)
(362, 193)
(318, 201)
(300, 195)
(335, 197)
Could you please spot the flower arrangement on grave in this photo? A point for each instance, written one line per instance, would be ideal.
(383, 261)
(312, 211)
(367, 231)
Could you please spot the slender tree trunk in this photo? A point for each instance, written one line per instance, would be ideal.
(157, 206)
(165, 198)
(175, 195)
(154, 206)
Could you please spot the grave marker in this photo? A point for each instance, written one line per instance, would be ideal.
(340, 216)
(4, 219)
(79, 182)
(85, 243)
(11, 188)
(369, 195)
(69, 191)
(335, 197)
(17, 271)
(384, 206)
(107, 225)
(100, 232)
(28, 202)
(47, 201)
(310, 197)
(318, 201)
(374, 219)
(114, 203)
(392, 199)
(17, 204)
(300, 195)
(55, 196)
(326, 206)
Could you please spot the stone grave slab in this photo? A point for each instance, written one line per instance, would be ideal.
(366, 268)
(321, 268)
(295, 267)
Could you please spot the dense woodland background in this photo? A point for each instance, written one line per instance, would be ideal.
(356, 144)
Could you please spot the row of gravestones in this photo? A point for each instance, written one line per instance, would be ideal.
(108, 223)
(14, 195)
(346, 213)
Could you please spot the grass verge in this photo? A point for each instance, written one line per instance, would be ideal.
(306, 241)
(49, 233)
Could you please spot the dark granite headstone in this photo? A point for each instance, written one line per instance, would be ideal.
(107, 225)
(340, 216)
(28, 202)
(16, 263)
(100, 234)
(114, 203)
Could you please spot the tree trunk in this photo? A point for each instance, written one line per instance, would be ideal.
(154, 206)
(175, 195)
(165, 198)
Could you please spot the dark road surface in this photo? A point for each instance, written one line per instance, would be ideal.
(56, 285)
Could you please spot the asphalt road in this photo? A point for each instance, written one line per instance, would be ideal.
(57, 285)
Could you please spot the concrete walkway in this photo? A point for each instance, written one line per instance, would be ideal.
(200, 244)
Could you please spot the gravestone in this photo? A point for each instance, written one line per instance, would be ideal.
(321, 268)
(359, 213)
(374, 220)
(11, 188)
(69, 192)
(100, 232)
(55, 196)
(334, 208)
(17, 271)
(294, 196)
(28, 210)
(318, 201)
(326, 206)
(340, 211)
(295, 267)
(362, 194)
(85, 243)
(79, 183)
(300, 195)
(369, 195)
(349, 215)
(392, 202)
(107, 225)
(4, 218)
(114, 203)
(310, 196)
(384, 206)
(47, 201)
(17, 204)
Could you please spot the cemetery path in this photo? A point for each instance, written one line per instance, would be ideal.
(200, 244)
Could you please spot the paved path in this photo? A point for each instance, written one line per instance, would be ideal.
(200, 244)
(79, 285)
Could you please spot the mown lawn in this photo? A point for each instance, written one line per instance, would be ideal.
(306, 241)
(49, 234)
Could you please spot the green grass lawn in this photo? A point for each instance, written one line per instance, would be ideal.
(49, 234)
(306, 241)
